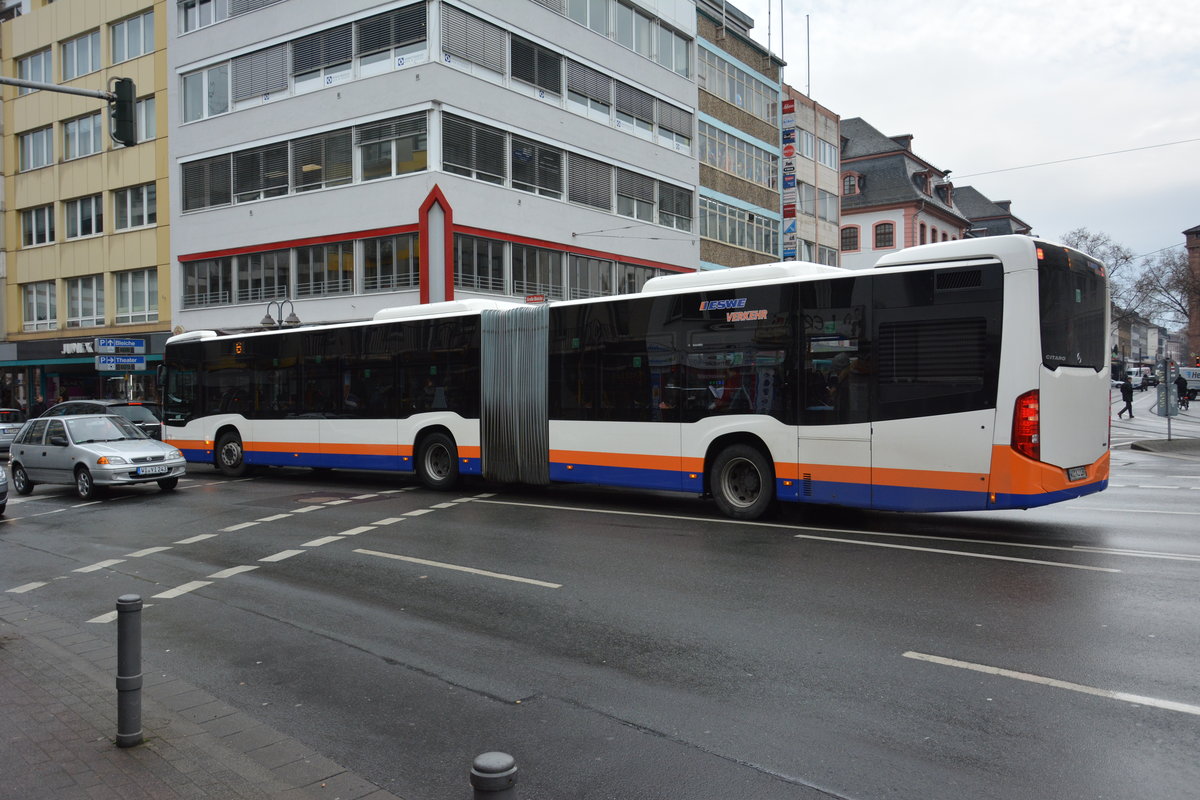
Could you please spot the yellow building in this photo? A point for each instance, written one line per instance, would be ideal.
(85, 231)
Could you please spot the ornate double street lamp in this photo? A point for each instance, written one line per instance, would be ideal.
(270, 322)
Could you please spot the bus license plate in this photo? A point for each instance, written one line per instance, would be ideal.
(1076, 473)
(153, 470)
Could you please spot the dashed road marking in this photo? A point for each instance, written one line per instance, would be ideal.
(238, 527)
(1142, 700)
(280, 556)
(323, 540)
(356, 531)
(417, 512)
(190, 586)
(229, 573)
(199, 538)
(100, 565)
(458, 568)
(273, 518)
(307, 509)
(146, 552)
(388, 521)
(26, 587)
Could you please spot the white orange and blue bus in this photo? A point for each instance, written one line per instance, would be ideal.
(953, 376)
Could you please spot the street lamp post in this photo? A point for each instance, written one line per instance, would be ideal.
(273, 322)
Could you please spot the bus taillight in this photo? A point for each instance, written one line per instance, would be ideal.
(1026, 434)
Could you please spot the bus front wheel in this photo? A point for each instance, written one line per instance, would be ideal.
(230, 459)
(437, 462)
(742, 482)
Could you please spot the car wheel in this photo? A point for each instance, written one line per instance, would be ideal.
(742, 482)
(230, 456)
(437, 462)
(21, 480)
(167, 484)
(2, 507)
(85, 487)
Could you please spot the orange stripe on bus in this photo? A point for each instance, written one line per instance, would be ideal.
(624, 460)
(1013, 473)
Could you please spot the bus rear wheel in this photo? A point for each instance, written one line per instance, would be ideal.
(437, 462)
(230, 457)
(742, 482)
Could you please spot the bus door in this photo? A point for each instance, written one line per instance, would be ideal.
(834, 446)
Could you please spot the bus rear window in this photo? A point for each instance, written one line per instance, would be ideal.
(1073, 297)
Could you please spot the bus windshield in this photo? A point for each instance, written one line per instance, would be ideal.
(1073, 297)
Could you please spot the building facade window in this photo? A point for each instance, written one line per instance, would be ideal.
(85, 301)
(924, 233)
(132, 37)
(536, 65)
(827, 154)
(137, 296)
(206, 93)
(38, 67)
(536, 168)
(536, 270)
(323, 59)
(391, 263)
(478, 264)
(738, 227)
(473, 150)
(635, 195)
(736, 86)
(135, 207)
(726, 152)
(195, 14)
(37, 226)
(849, 185)
(325, 270)
(147, 122)
(36, 148)
(263, 276)
(392, 147)
(85, 216)
(82, 137)
(885, 235)
(39, 306)
(322, 161)
(850, 238)
(208, 282)
(81, 55)
(589, 277)
(828, 205)
(827, 256)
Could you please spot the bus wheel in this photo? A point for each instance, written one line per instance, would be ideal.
(229, 455)
(437, 462)
(742, 482)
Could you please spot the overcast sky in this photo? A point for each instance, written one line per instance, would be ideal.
(990, 86)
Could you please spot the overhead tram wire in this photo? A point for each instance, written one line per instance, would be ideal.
(1078, 158)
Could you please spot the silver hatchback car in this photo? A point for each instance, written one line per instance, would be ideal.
(90, 451)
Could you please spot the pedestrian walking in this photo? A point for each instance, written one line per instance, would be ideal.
(1181, 390)
(1127, 396)
(39, 406)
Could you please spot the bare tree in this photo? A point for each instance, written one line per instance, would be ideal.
(1168, 285)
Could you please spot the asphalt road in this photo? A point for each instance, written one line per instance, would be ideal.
(625, 645)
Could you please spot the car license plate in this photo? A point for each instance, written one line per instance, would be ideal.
(1076, 473)
(153, 470)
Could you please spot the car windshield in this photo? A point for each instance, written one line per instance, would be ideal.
(102, 429)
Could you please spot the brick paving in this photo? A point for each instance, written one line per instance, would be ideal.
(58, 722)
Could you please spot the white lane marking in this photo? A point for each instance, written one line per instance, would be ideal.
(336, 502)
(238, 527)
(85, 505)
(962, 553)
(1169, 705)
(444, 505)
(1130, 510)
(26, 587)
(364, 497)
(418, 512)
(280, 556)
(1152, 486)
(109, 617)
(307, 509)
(146, 552)
(463, 500)
(274, 518)
(229, 573)
(323, 540)
(99, 565)
(1117, 551)
(191, 586)
(356, 531)
(782, 526)
(46, 513)
(194, 539)
(485, 573)
(388, 521)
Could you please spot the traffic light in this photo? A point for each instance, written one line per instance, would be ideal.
(124, 112)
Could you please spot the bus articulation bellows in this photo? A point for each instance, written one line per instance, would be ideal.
(953, 376)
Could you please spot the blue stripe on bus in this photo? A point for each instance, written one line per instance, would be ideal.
(267, 458)
(1035, 500)
(670, 480)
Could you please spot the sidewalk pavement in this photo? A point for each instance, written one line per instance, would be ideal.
(59, 722)
(1148, 431)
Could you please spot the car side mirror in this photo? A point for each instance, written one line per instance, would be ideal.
(58, 441)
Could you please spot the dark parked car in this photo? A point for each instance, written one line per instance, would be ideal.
(145, 415)
(91, 451)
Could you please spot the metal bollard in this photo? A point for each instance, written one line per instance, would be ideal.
(494, 776)
(129, 670)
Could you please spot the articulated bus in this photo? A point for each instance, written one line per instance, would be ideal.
(953, 376)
